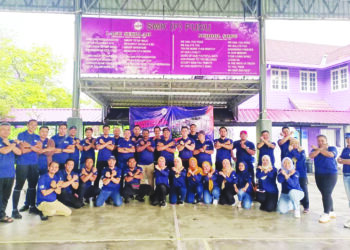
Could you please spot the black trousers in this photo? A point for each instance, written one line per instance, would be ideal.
(161, 192)
(185, 163)
(100, 165)
(87, 192)
(303, 184)
(218, 165)
(129, 191)
(23, 173)
(267, 200)
(326, 183)
(61, 166)
(227, 195)
(6, 185)
(69, 200)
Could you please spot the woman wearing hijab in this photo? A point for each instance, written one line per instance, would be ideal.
(228, 179)
(292, 193)
(194, 184)
(178, 187)
(297, 154)
(244, 187)
(161, 173)
(267, 192)
(211, 190)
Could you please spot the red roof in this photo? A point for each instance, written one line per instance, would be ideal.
(53, 115)
(296, 116)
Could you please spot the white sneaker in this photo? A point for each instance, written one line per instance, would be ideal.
(215, 202)
(235, 204)
(297, 213)
(239, 205)
(324, 218)
(332, 215)
(347, 224)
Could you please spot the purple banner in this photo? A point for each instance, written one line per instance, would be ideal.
(129, 46)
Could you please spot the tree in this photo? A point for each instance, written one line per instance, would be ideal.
(28, 78)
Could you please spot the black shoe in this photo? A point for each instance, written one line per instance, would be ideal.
(155, 203)
(140, 199)
(34, 210)
(24, 208)
(195, 201)
(162, 204)
(180, 202)
(109, 201)
(43, 217)
(16, 214)
(126, 201)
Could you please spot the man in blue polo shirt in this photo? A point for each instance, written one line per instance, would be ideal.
(117, 138)
(145, 148)
(8, 150)
(223, 147)
(203, 149)
(193, 132)
(266, 147)
(49, 186)
(104, 145)
(284, 142)
(157, 137)
(345, 160)
(245, 150)
(185, 145)
(126, 149)
(88, 175)
(70, 185)
(63, 144)
(89, 145)
(77, 148)
(166, 147)
(27, 168)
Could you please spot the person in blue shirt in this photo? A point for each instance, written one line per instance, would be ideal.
(136, 134)
(89, 146)
(132, 177)
(203, 149)
(166, 147)
(245, 150)
(223, 147)
(88, 175)
(8, 150)
(227, 179)
(244, 187)
(298, 156)
(111, 184)
(284, 142)
(211, 189)
(126, 149)
(185, 146)
(156, 138)
(267, 192)
(178, 189)
(77, 148)
(63, 144)
(117, 138)
(161, 173)
(49, 186)
(70, 184)
(193, 132)
(27, 168)
(344, 159)
(145, 149)
(266, 147)
(292, 193)
(104, 145)
(194, 182)
(326, 174)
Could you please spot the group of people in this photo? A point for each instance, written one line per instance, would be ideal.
(62, 171)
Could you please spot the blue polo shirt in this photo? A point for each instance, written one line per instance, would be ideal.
(223, 153)
(169, 157)
(123, 157)
(61, 142)
(7, 162)
(44, 183)
(345, 154)
(180, 180)
(146, 157)
(162, 177)
(87, 154)
(299, 159)
(326, 165)
(62, 175)
(111, 186)
(284, 148)
(202, 157)
(76, 154)
(267, 181)
(88, 183)
(193, 137)
(105, 153)
(30, 158)
(42, 160)
(265, 150)
(242, 154)
(134, 182)
(291, 183)
(185, 153)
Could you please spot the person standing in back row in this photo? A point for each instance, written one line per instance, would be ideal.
(223, 147)
(284, 142)
(185, 145)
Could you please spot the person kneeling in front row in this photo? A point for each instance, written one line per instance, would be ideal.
(211, 189)
(178, 187)
(48, 188)
(161, 174)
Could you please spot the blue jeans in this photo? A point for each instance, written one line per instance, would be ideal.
(346, 179)
(176, 192)
(209, 197)
(104, 195)
(290, 201)
(194, 191)
(245, 198)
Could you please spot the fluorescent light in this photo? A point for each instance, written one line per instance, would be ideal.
(170, 93)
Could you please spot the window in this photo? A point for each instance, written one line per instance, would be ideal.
(339, 79)
(308, 81)
(279, 79)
